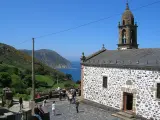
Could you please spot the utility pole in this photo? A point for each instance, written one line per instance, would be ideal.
(33, 75)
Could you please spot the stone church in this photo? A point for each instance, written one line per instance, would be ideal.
(126, 79)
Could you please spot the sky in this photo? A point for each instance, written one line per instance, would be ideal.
(21, 20)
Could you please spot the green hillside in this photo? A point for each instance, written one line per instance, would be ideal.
(9, 55)
(48, 79)
(15, 72)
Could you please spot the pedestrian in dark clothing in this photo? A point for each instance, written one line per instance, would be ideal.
(41, 112)
(73, 99)
(64, 94)
(75, 93)
(50, 94)
(21, 103)
(77, 105)
(60, 95)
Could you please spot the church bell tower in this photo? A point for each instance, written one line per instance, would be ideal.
(127, 31)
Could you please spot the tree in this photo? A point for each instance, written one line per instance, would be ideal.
(5, 79)
(27, 71)
(28, 80)
(21, 74)
(69, 76)
(3, 68)
(17, 82)
(40, 70)
(78, 82)
(15, 71)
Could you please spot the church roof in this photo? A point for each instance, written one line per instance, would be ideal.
(137, 58)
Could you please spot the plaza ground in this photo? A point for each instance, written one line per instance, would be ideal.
(67, 111)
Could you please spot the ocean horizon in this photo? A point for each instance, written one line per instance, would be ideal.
(74, 70)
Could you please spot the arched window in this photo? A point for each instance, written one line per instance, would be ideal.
(124, 36)
(123, 22)
(132, 37)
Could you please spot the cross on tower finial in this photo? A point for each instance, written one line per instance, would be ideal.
(103, 46)
(127, 6)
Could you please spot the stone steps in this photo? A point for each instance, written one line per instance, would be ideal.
(124, 115)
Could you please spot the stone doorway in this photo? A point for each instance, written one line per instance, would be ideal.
(127, 101)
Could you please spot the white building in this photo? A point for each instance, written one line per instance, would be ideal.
(124, 79)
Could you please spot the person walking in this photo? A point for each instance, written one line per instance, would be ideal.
(77, 105)
(53, 108)
(60, 95)
(44, 102)
(70, 98)
(21, 103)
(67, 94)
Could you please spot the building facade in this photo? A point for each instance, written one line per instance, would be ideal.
(125, 79)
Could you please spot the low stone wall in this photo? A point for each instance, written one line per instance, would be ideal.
(8, 115)
(46, 97)
(3, 110)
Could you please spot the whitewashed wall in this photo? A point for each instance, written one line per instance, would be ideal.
(143, 83)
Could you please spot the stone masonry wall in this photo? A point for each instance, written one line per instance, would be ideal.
(142, 83)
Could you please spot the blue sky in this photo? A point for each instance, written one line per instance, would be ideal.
(23, 19)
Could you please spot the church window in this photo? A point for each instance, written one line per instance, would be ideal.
(124, 37)
(132, 37)
(158, 90)
(105, 81)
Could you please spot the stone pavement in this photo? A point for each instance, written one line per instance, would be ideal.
(66, 111)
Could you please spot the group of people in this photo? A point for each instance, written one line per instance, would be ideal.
(70, 94)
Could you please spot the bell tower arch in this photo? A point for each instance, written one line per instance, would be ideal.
(127, 31)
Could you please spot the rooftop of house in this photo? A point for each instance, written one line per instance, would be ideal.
(139, 58)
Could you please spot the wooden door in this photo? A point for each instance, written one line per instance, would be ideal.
(124, 101)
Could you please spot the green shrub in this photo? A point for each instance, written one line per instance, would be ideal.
(5, 79)
(17, 83)
(3, 68)
(13, 90)
(28, 80)
(28, 91)
(67, 85)
(41, 89)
